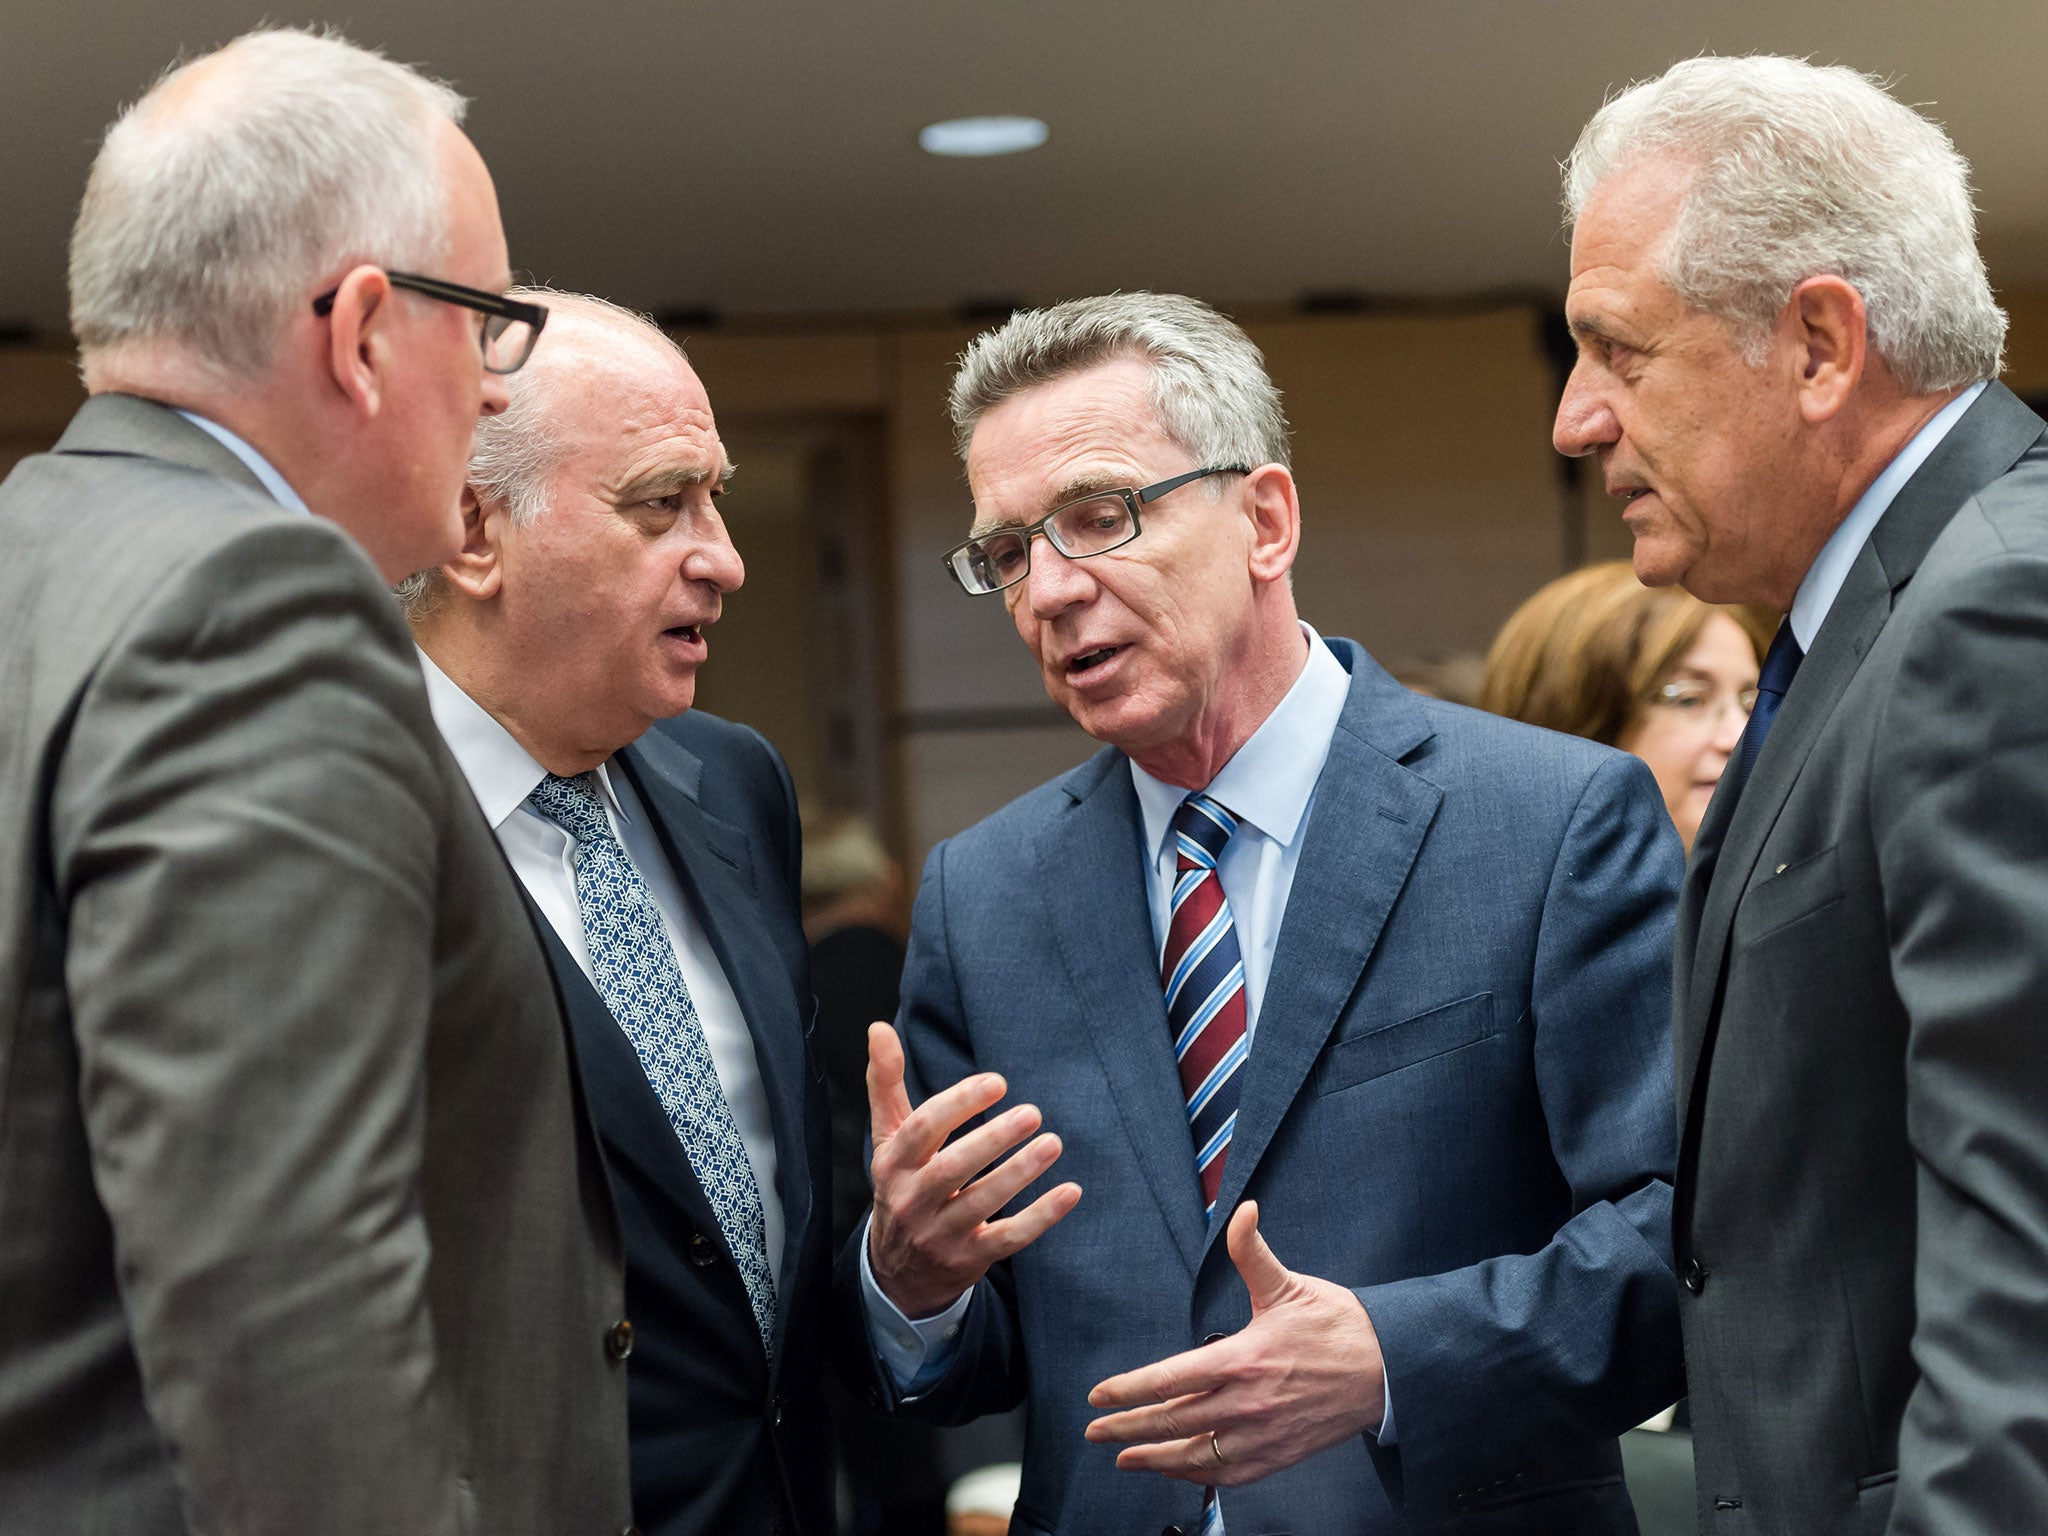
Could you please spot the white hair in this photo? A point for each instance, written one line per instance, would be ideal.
(1800, 170)
(1208, 382)
(244, 178)
(513, 458)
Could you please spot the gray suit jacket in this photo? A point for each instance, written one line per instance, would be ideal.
(1861, 1218)
(301, 1228)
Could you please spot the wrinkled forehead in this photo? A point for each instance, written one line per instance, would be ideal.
(1082, 432)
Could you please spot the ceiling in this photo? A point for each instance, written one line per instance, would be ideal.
(759, 157)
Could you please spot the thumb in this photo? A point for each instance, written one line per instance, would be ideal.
(888, 1101)
(1269, 1281)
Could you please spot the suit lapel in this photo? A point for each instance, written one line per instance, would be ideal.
(1988, 440)
(1091, 862)
(712, 863)
(1364, 830)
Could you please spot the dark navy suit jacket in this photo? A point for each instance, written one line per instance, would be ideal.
(720, 1443)
(1458, 1102)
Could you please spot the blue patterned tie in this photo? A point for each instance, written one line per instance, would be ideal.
(1781, 661)
(637, 975)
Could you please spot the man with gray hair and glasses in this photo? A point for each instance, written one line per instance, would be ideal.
(1787, 364)
(1299, 959)
(303, 1229)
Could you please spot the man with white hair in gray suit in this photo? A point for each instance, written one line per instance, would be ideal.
(301, 1228)
(1788, 361)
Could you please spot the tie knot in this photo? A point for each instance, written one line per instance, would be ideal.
(1200, 829)
(1780, 662)
(573, 805)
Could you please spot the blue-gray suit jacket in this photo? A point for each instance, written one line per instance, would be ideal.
(1458, 1101)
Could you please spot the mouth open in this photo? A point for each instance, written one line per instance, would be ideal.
(1086, 662)
(691, 635)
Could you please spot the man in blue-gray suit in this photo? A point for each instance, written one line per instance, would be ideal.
(1299, 959)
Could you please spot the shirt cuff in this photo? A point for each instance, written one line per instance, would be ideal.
(1385, 1433)
(916, 1351)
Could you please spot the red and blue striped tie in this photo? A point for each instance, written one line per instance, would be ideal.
(1203, 973)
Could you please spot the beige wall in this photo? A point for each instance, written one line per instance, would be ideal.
(1431, 498)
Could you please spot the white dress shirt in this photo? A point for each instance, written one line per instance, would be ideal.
(1830, 568)
(279, 488)
(502, 774)
(1269, 784)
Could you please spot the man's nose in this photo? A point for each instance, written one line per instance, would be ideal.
(497, 395)
(1585, 421)
(1054, 583)
(715, 559)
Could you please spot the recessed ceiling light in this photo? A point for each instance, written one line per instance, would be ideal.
(983, 136)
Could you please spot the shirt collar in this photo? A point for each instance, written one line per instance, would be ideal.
(1269, 780)
(280, 490)
(1824, 578)
(501, 772)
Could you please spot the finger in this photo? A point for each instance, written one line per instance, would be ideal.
(1198, 1370)
(888, 1100)
(927, 1127)
(1000, 1239)
(1269, 1281)
(1003, 1183)
(955, 1165)
(1155, 1423)
(1191, 1460)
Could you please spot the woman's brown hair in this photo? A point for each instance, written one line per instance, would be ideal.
(1585, 653)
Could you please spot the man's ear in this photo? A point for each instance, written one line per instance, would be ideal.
(478, 571)
(1831, 342)
(1274, 508)
(358, 341)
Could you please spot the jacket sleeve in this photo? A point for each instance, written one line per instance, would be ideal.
(986, 1371)
(1496, 1364)
(244, 835)
(1960, 808)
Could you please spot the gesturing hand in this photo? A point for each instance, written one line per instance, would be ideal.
(1303, 1375)
(933, 1235)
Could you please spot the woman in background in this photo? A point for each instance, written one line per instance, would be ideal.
(1651, 670)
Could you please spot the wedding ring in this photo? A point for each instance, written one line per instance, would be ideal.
(1216, 1447)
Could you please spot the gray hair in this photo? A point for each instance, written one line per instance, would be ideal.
(1209, 386)
(241, 180)
(513, 458)
(1800, 170)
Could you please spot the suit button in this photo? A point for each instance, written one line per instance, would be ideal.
(775, 1413)
(1695, 1276)
(1172, 1530)
(618, 1339)
(1214, 1338)
(702, 1250)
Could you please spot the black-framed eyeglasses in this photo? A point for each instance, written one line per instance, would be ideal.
(511, 326)
(1093, 525)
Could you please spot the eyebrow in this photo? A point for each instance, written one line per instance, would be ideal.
(666, 482)
(1076, 489)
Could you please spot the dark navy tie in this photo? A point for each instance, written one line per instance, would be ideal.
(1781, 661)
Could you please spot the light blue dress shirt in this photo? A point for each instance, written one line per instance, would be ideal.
(280, 489)
(1830, 568)
(1269, 784)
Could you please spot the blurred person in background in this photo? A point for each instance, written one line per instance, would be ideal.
(1651, 670)
(301, 1229)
